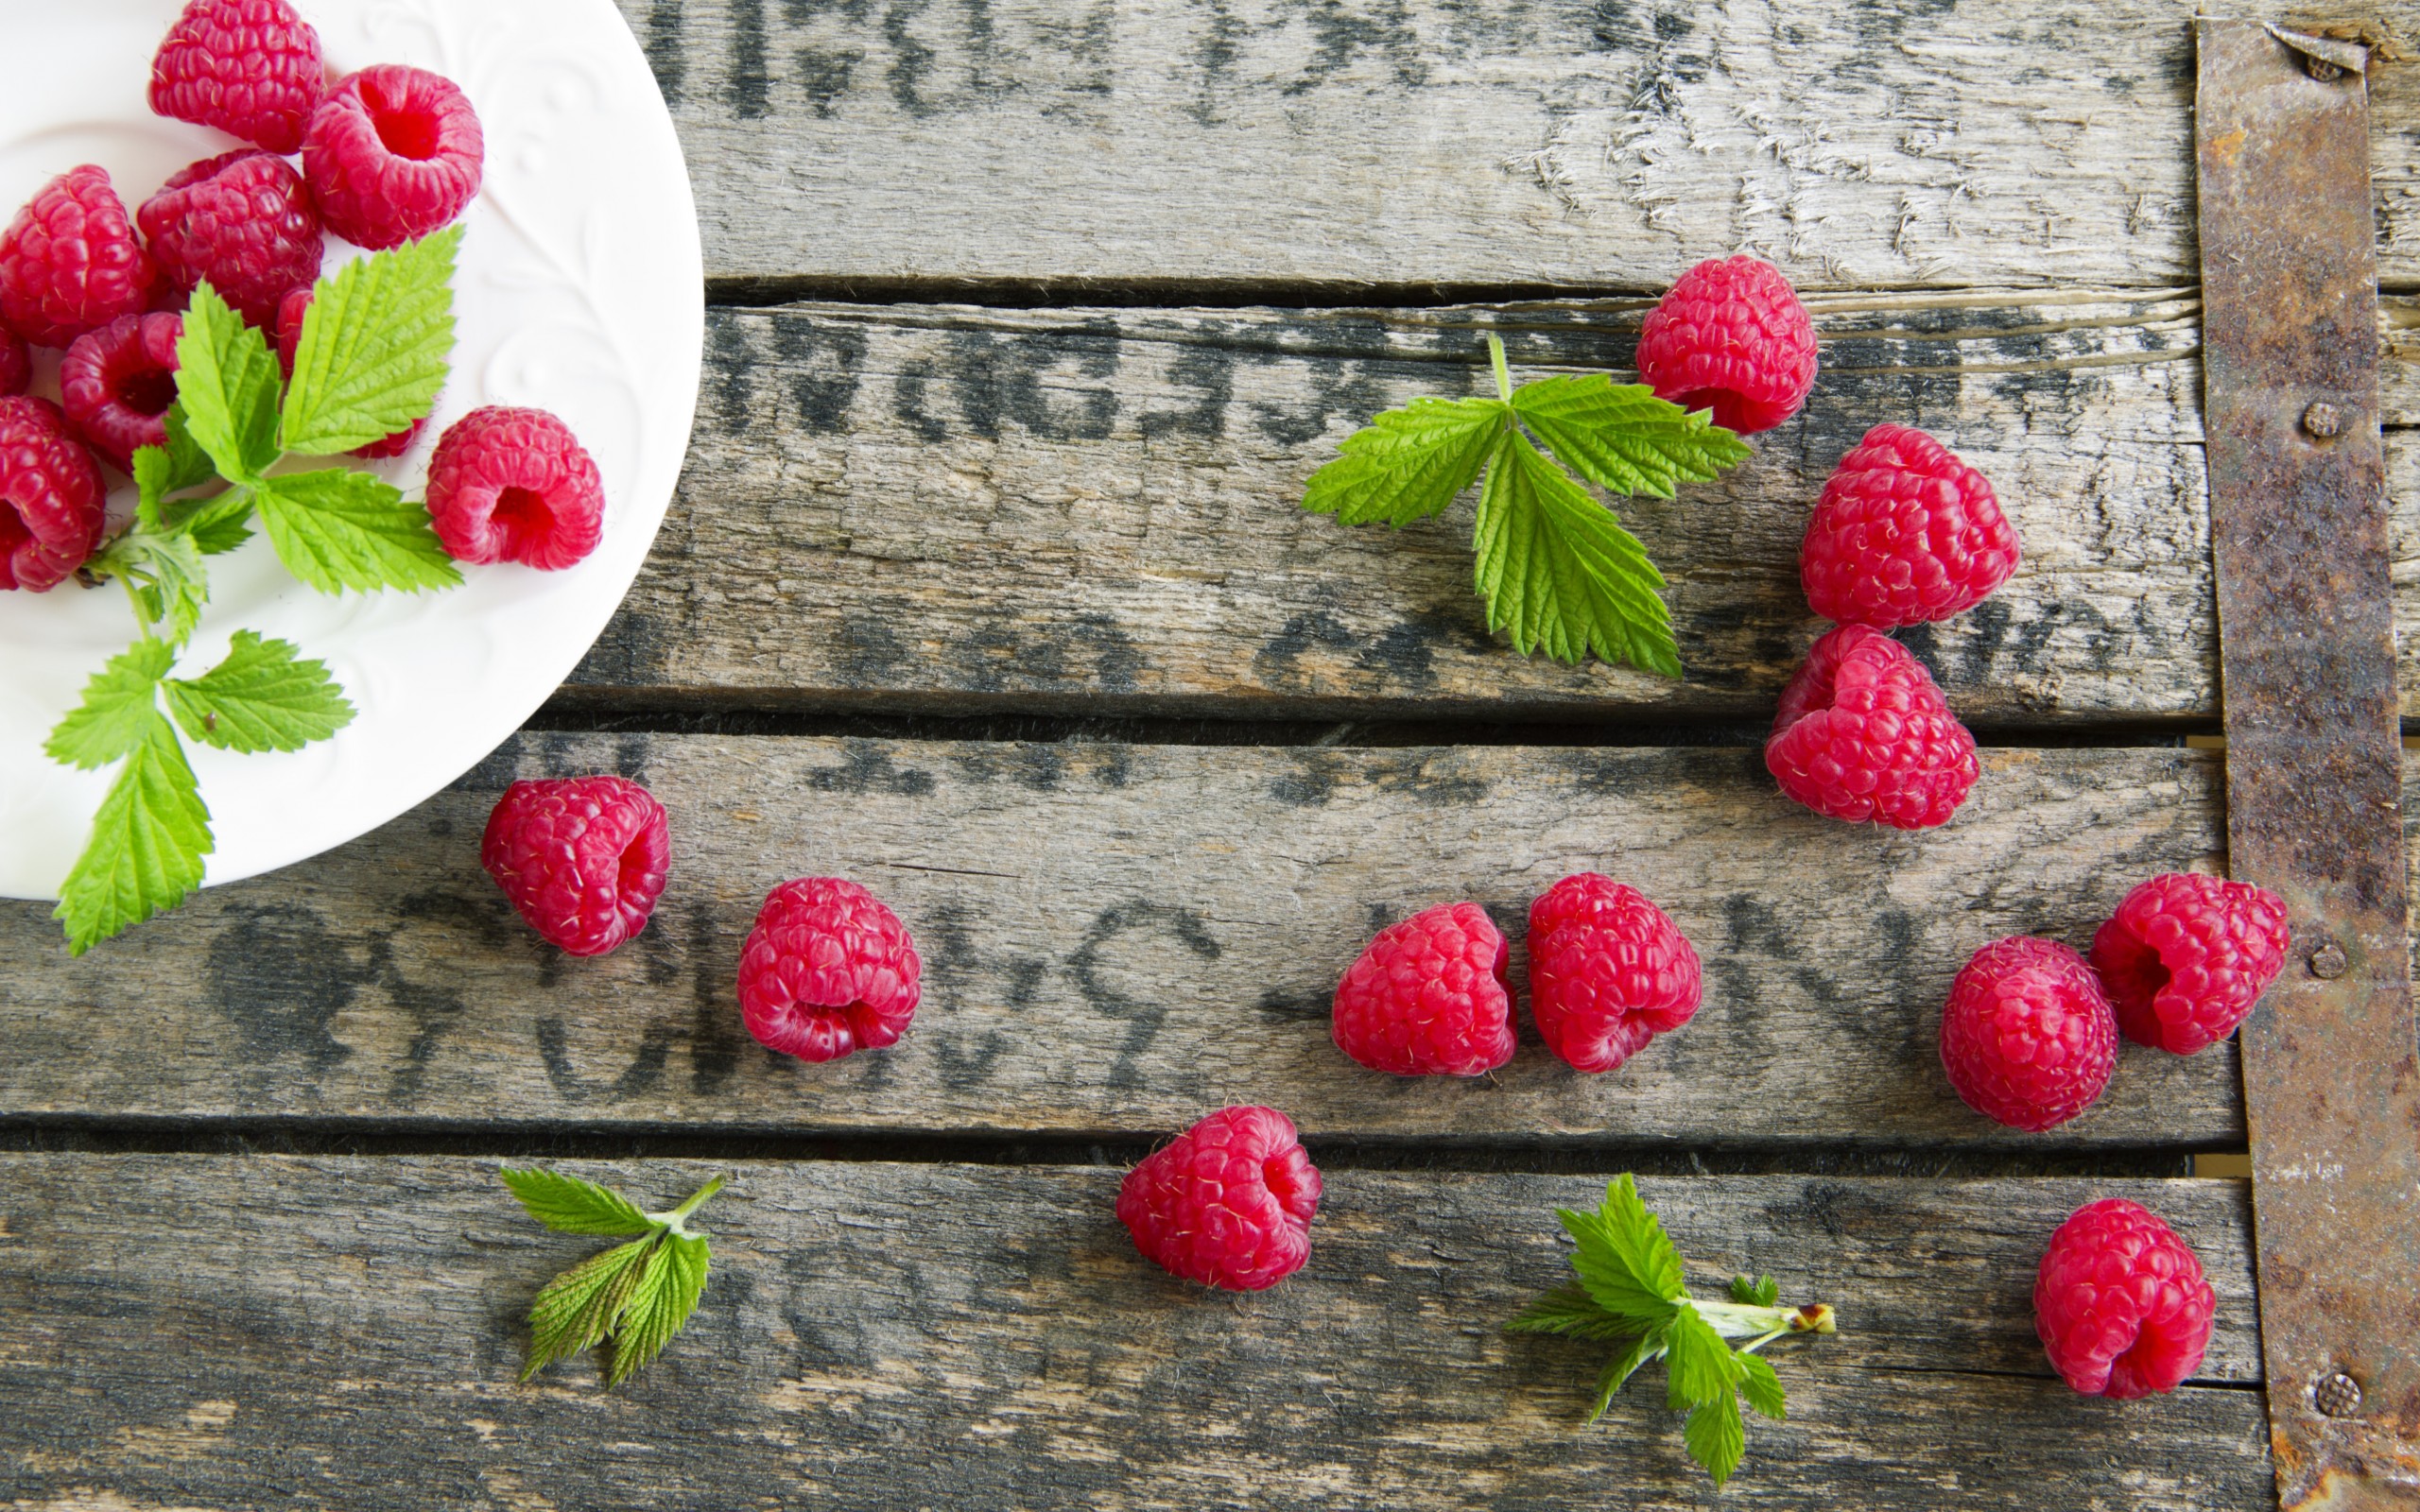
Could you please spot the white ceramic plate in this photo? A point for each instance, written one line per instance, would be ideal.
(580, 290)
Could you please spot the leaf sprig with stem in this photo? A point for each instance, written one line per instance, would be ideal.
(637, 1293)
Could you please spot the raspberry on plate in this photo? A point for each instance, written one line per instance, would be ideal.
(290, 311)
(1608, 972)
(249, 67)
(2186, 957)
(827, 972)
(393, 154)
(69, 262)
(242, 220)
(1905, 534)
(2027, 1036)
(117, 383)
(1863, 733)
(582, 858)
(1227, 1203)
(1428, 997)
(514, 485)
(1731, 336)
(16, 364)
(51, 499)
(2120, 1302)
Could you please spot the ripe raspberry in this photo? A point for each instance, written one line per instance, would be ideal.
(1905, 534)
(2120, 1302)
(16, 364)
(393, 153)
(69, 262)
(583, 858)
(1864, 735)
(117, 383)
(249, 67)
(1608, 972)
(515, 485)
(2027, 1036)
(827, 972)
(2186, 957)
(1428, 998)
(290, 311)
(1731, 336)
(51, 500)
(242, 220)
(1227, 1203)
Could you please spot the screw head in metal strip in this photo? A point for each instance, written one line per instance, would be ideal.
(2336, 1394)
(2322, 419)
(2328, 961)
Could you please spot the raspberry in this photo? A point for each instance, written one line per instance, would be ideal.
(1864, 735)
(2027, 1036)
(290, 311)
(1905, 534)
(827, 972)
(249, 67)
(1731, 336)
(242, 220)
(2120, 1302)
(2186, 957)
(393, 153)
(69, 262)
(16, 364)
(1227, 1203)
(117, 383)
(514, 485)
(51, 502)
(1426, 998)
(583, 858)
(1608, 972)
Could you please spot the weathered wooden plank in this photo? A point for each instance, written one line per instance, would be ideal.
(1119, 936)
(212, 1332)
(1582, 144)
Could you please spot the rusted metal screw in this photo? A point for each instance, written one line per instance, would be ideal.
(2320, 69)
(2328, 963)
(2336, 1394)
(2322, 419)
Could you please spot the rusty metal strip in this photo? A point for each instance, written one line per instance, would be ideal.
(2298, 526)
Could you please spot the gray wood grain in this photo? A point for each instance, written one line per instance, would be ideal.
(1117, 937)
(218, 1333)
(1572, 143)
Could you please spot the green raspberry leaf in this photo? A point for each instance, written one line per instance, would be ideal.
(147, 845)
(180, 584)
(1560, 574)
(118, 708)
(340, 528)
(1704, 1365)
(374, 349)
(160, 471)
(1756, 1291)
(1621, 1368)
(264, 697)
(1407, 464)
(1571, 1310)
(1762, 1387)
(1622, 437)
(569, 1205)
(661, 1305)
(576, 1309)
(227, 383)
(1639, 1238)
(1610, 1271)
(221, 525)
(1717, 1438)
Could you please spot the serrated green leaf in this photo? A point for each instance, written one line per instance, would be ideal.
(1704, 1365)
(1761, 1386)
(118, 708)
(147, 848)
(579, 1308)
(1407, 464)
(372, 353)
(161, 471)
(1715, 1436)
(1621, 1368)
(1559, 571)
(1570, 1310)
(263, 697)
(1610, 1273)
(1639, 1236)
(340, 528)
(567, 1204)
(220, 524)
(180, 584)
(1622, 437)
(227, 383)
(1751, 1291)
(659, 1311)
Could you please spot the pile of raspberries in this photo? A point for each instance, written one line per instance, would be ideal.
(387, 155)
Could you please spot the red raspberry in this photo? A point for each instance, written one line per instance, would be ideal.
(1731, 336)
(1426, 998)
(16, 364)
(515, 485)
(1864, 735)
(51, 499)
(290, 311)
(827, 972)
(393, 153)
(2186, 957)
(69, 262)
(242, 220)
(249, 67)
(583, 858)
(2027, 1036)
(117, 383)
(1227, 1203)
(1905, 534)
(2120, 1302)
(1608, 972)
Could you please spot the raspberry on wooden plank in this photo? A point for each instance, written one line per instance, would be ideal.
(1731, 336)
(1227, 1203)
(583, 859)
(1428, 997)
(827, 970)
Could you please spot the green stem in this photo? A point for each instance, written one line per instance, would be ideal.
(678, 1216)
(1503, 373)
